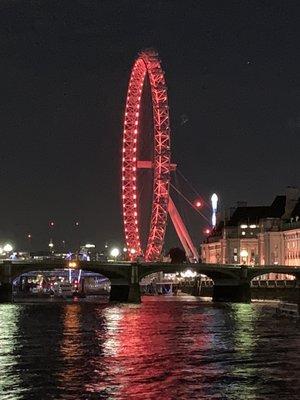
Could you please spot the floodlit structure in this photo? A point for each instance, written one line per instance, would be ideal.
(148, 63)
(260, 235)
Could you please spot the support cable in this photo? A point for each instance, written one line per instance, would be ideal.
(192, 187)
(190, 203)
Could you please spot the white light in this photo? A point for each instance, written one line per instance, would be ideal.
(89, 246)
(214, 201)
(115, 252)
(124, 249)
(132, 251)
(51, 245)
(253, 226)
(7, 247)
(244, 226)
(188, 274)
(214, 219)
(244, 253)
(214, 205)
(1, 250)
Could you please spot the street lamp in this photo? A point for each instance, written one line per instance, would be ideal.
(7, 248)
(51, 245)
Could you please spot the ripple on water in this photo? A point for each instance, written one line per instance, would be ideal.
(161, 349)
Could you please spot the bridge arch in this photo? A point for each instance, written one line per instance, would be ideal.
(210, 272)
(275, 270)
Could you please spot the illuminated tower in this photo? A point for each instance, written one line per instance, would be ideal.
(214, 206)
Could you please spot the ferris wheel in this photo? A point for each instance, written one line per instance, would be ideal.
(148, 65)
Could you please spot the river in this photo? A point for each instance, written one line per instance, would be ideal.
(165, 348)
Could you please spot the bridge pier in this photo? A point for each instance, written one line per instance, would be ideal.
(238, 293)
(128, 292)
(119, 293)
(5, 292)
(125, 293)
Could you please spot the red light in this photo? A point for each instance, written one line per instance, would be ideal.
(148, 64)
(198, 204)
(207, 231)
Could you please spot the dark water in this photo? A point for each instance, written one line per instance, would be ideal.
(178, 348)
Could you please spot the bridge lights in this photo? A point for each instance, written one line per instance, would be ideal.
(188, 274)
(115, 252)
(72, 264)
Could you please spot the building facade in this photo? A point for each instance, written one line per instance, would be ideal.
(263, 235)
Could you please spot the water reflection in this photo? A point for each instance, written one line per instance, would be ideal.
(148, 351)
(71, 350)
(163, 348)
(9, 373)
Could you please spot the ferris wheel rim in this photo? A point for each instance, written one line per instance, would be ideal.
(147, 63)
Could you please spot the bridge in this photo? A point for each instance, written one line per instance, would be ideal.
(231, 282)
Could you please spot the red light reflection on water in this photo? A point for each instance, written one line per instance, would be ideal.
(148, 350)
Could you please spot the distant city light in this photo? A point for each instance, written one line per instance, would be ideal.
(51, 224)
(132, 251)
(207, 231)
(51, 245)
(115, 252)
(244, 226)
(198, 204)
(125, 249)
(29, 236)
(89, 246)
(7, 248)
(76, 223)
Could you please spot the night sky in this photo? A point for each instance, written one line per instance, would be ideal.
(232, 69)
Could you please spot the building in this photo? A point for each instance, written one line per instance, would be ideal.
(259, 235)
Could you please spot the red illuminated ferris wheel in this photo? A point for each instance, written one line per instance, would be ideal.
(148, 64)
